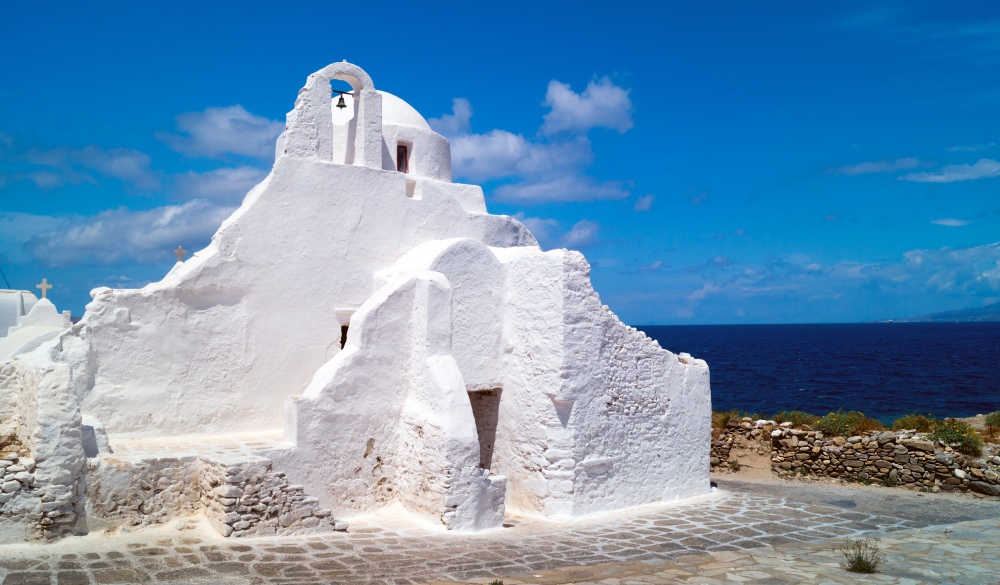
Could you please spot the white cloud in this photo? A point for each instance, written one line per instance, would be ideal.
(878, 166)
(455, 123)
(972, 147)
(552, 166)
(951, 222)
(644, 203)
(601, 105)
(121, 235)
(583, 234)
(699, 197)
(66, 165)
(703, 292)
(217, 132)
(549, 234)
(226, 186)
(16, 229)
(984, 168)
(569, 188)
(966, 271)
(544, 230)
(499, 154)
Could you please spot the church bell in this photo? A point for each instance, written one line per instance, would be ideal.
(340, 102)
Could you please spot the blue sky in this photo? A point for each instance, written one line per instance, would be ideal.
(723, 162)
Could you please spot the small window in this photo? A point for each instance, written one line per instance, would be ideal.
(402, 158)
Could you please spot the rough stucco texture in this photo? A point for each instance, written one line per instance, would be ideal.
(451, 306)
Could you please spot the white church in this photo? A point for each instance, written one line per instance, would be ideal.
(360, 333)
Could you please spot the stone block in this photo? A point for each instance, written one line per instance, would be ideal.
(981, 487)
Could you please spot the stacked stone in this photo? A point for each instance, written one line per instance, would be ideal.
(248, 498)
(721, 447)
(907, 459)
(19, 495)
(143, 492)
(49, 510)
(18, 475)
(723, 441)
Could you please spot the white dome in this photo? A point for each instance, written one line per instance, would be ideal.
(399, 113)
(395, 112)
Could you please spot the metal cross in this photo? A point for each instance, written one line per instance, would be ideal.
(180, 251)
(45, 286)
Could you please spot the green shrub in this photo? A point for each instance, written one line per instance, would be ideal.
(919, 422)
(993, 422)
(796, 417)
(959, 435)
(862, 555)
(847, 423)
(721, 417)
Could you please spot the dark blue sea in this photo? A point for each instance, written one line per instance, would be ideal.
(882, 369)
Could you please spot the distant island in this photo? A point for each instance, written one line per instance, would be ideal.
(985, 313)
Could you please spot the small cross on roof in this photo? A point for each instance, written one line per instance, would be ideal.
(45, 286)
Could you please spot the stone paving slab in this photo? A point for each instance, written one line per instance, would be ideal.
(967, 553)
(730, 522)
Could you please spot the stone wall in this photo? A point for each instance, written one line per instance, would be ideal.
(143, 492)
(239, 497)
(905, 458)
(251, 499)
(41, 453)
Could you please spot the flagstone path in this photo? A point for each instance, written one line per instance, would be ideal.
(722, 532)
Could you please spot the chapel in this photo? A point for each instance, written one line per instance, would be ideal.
(361, 333)
(27, 321)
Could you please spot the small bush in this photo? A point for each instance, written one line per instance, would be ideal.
(918, 422)
(496, 582)
(847, 424)
(959, 435)
(721, 417)
(796, 417)
(734, 465)
(889, 481)
(862, 555)
(993, 423)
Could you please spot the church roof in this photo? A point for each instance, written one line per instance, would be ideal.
(395, 112)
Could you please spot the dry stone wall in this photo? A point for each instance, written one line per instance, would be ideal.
(249, 498)
(41, 457)
(905, 458)
(240, 497)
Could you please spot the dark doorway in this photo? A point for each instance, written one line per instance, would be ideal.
(486, 410)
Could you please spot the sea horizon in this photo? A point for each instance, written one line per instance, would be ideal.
(942, 369)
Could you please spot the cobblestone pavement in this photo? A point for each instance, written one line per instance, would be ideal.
(967, 553)
(381, 550)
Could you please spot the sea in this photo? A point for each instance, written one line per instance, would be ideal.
(881, 369)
